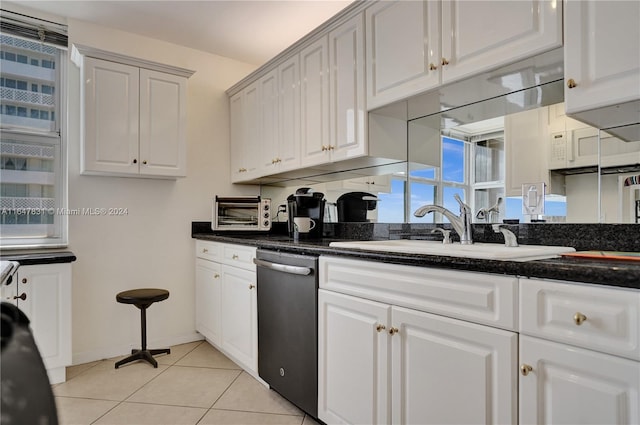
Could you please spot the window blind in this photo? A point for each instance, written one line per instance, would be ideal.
(31, 28)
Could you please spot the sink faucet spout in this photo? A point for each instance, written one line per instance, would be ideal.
(461, 224)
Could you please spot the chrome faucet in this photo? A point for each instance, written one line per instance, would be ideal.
(461, 224)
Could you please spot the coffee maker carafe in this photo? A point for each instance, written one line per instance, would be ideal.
(306, 213)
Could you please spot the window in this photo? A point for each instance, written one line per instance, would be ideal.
(32, 165)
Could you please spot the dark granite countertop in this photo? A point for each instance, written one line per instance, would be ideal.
(33, 258)
(611, 273)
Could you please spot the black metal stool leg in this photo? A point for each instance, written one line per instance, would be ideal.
(143, 353)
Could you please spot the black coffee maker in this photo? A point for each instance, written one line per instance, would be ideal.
(353, 206)
(303, 204)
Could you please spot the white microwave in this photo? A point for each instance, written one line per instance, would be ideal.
(241, 213)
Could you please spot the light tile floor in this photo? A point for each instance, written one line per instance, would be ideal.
(195, 384)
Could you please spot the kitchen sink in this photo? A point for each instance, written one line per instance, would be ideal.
(487, 251)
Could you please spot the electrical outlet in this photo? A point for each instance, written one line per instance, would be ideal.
(533, 198)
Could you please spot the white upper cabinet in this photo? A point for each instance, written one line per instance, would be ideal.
(480, 35)
(111, 117)
(246, 133)
(314, 95)
(163, 119)
(289, 113)
(348, 121)
(333, 95)
(602, 56)
(403, 49)
(134, 116)
(414, 46)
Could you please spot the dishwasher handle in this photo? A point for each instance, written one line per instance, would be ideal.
(285, 268)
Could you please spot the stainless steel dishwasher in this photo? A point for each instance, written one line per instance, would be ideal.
(288, 326)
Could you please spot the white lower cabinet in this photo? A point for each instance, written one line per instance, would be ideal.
(208, 302)
(353, 359)
(562, 384)
(43, 293)
(239, 311)
(382, 363)
(579, 354)
(226, 303)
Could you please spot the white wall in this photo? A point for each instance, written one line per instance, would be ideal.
(151, 246)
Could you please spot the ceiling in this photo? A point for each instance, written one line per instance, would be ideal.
(251, 31)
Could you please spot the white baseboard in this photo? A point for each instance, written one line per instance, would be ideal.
(103, 353)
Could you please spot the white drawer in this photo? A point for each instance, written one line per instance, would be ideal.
(208, 250)
(239, 256)
(595, 317)
(476, 297)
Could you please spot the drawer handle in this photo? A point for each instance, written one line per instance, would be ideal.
(234, 257)
(393, 331)
(579, 318)
(380, 327)
(525, 369)
(22, 296)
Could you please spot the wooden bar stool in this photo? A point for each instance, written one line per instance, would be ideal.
(143, 298)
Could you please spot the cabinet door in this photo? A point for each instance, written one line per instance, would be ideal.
(568, 385)
(347, 96)
(236, 111)
(289, 117)
(268, 112)
(451, 371)
(353, 369)
(524, 133)
(403, 49)
(111, 98)
(163, 116)
(480, 35)
(48, 306)
(602, 53)
(314, 95)
(208, 277)
(239, 310)
(245, 133)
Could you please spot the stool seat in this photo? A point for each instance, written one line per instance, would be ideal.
(143, 298)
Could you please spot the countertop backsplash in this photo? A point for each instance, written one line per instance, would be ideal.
(582, 237)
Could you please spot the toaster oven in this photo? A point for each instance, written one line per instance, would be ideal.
(241, 213)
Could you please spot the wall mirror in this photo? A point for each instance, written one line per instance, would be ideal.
(512, 157)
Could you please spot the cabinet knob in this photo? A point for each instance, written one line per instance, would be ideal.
(444, 61)
(252, 286)
(380, 327)
(234, 256)
(205, 250)
(24, 280)
(331, 147)
(571, 83)
(393, 331)
(432, 66)
(216, 275)
(525, 369)
(324, 148)
(144, 162)
(135, 161)
(22, 296)
(579, 318)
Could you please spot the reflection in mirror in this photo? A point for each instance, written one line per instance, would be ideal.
(350, 200)
(620, 174)
(508, 160)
